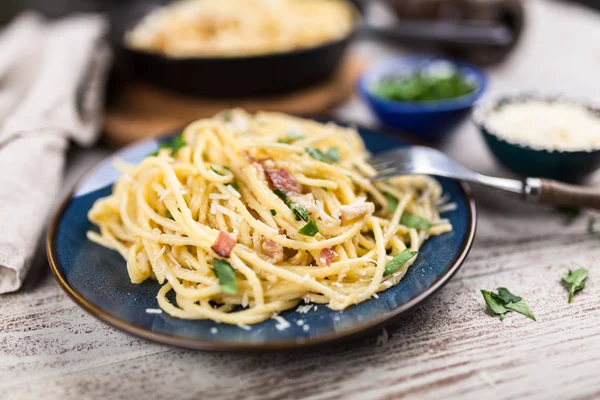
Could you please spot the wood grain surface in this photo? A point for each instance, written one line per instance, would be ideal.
(450, 348)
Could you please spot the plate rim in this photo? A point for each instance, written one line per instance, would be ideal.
(199, 344)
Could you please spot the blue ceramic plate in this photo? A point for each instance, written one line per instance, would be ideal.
(96, 278)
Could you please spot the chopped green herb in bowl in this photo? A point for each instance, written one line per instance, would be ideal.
(424, 86)
(422, 95)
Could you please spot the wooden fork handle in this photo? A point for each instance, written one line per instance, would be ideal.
(546, 191)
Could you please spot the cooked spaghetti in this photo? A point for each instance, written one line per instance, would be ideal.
(218, 28)
(244, 216)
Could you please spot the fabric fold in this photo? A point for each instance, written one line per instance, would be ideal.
(56, 99)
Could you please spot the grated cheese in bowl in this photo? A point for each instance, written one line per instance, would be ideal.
(546, 124)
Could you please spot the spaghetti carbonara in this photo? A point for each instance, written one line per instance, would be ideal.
(216, 28)
(244, 216)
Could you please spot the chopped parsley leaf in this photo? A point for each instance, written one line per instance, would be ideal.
(174, 145)
(414, 221)
(591, 227)
(226, 275)
(291, 137)
(575, 280)
(299, 211)
(504, 301)
(226, 115)
(235, 185)
(507, 296)
(494, 303)
(310, 229)
(570, 212)
(332, 155)
(398, 261)
(273, 212)
(392, 202)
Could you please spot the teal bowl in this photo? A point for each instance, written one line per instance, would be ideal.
(527, 161)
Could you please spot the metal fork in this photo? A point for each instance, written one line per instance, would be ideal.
(427, 161)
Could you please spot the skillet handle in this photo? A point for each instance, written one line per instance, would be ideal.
(546, 191)
(455, 33)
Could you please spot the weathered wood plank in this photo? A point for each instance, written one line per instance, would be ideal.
(450, 347)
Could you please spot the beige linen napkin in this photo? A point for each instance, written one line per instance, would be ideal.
(52, 76)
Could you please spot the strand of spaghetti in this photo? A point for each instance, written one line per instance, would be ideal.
(250, 275)
(287, 275)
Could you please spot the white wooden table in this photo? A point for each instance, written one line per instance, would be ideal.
(450, 348)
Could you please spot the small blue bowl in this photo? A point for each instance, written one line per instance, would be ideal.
(426, 119)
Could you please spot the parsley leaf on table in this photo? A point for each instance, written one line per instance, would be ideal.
(507, 296)
(504, 301)
(591, 227)
(570, 212)
(522, 308)
(575, 280)
(494, 303)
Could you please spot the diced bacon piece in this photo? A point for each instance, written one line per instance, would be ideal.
(327, 255)
(358, 209)
(273, 250)
(224, 244)
(280, 177)
(305, 200)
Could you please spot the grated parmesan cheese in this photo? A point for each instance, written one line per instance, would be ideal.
(158, 255)
(153, 311)
(383, 338)
(214, 331)
(244, 327)
(304, 309)
(233, 191)
(282, 324)
(231, 214)
(442, 200)
(128, 178)
(447, 207)
(245, 300)
(173, 260)
(218, 196)
(162, 195)
(554, 125)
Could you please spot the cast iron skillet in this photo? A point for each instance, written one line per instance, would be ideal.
(250, 76)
